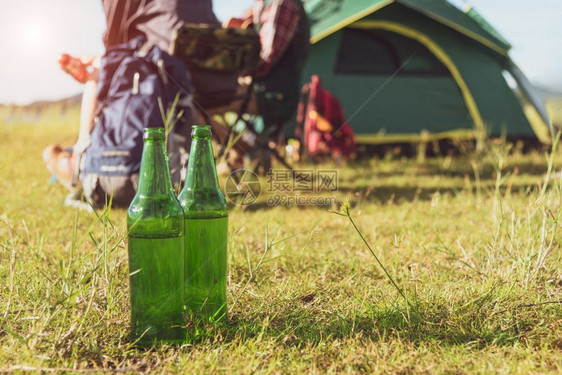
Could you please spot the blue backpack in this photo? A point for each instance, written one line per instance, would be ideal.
(132, 77)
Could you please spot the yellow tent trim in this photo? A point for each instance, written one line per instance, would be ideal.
(537, 123)
(439, 53)
(467, 32)
(340, 25)
(374, 139)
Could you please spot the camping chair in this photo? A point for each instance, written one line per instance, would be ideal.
(224, 54)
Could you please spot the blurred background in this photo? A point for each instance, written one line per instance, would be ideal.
(36, 32)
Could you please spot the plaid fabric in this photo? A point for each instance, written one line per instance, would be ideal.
(278, 25)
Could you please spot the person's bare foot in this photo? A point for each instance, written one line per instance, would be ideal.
(59, 164)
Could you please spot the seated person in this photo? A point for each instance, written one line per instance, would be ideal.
(126, 20)
(284, 34)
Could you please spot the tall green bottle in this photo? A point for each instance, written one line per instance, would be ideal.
(156, 250)
(206, 232)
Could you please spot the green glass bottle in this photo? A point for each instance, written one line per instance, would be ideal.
(206, 232)
(156, 250)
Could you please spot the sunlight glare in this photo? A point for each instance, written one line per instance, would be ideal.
(34, 35)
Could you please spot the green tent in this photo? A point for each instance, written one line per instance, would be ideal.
(409, 68)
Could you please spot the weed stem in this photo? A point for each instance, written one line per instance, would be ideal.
(348, 214)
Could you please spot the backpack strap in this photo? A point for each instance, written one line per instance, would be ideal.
(145, 49)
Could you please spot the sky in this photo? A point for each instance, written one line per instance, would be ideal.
(33, 34)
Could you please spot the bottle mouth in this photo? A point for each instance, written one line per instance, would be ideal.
(153, 133)
(201, 131)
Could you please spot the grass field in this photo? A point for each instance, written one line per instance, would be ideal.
(473, 242)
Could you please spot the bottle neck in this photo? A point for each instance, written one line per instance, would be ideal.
(154, 178)
(201, 171)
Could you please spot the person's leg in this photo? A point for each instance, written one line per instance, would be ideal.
(99, 190)
(61, 162)
(87, 110)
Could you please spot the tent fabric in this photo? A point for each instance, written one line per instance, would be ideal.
(329, 15)
(470, 94)
(378, 51)
(529, 92)
(486, 26)
(471, 24)
(444, 58)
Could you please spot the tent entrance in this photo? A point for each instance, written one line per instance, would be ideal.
(387, 74)
(382, 52)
